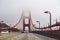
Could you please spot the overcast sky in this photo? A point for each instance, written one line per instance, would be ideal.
(10, 10)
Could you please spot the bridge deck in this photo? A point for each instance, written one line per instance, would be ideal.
(28, 36)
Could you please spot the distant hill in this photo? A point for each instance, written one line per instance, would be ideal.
(3, 25)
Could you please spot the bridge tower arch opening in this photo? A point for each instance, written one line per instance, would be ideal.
(26, 29)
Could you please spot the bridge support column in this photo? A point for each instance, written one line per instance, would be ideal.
(26, 25)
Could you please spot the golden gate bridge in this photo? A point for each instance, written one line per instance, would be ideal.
(33, 27)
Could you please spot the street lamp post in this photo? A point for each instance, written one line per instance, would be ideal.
(50, 18)
(39, 25)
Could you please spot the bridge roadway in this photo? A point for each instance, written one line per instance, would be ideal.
(28, 36)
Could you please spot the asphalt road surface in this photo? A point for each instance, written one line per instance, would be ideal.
(28, 36)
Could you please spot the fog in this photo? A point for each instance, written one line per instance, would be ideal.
(11, 10)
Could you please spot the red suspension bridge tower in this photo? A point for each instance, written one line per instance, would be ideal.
(26, 24)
